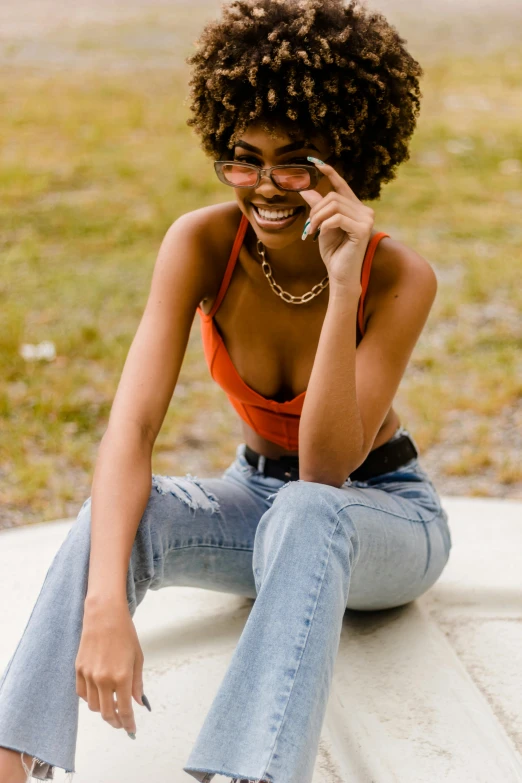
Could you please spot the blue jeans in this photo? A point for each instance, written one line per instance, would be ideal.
(304, 551)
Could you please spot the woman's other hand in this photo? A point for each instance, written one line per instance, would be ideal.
(109, 663)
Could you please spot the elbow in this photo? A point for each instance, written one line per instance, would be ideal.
(326, 479)
(333, 475)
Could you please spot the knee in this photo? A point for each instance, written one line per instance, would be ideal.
(301, 511)
(303, 521)
(307, 498)
(313, 507)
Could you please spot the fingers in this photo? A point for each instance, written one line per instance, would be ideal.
(312, 197)
(112, 697)
(92, 698)
(137, 681)
(332, 204)
(346, 224)
(99, 695)
(107, 705)
(339, 184)
(124, 705)
(81, 687)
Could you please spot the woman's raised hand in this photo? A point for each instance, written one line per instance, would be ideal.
(346, 225)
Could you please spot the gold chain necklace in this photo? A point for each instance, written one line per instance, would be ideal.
(276, 288)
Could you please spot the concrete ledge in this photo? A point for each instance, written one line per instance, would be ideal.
(423, 693)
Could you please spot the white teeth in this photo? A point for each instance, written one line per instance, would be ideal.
(275, 214)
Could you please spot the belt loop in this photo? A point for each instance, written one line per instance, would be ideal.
(261, 463)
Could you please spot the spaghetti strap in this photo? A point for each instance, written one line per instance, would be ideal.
(365, 273)
(240, 235)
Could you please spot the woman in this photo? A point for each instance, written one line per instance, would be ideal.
(307, 108)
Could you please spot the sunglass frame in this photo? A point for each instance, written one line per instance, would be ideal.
(315, 174)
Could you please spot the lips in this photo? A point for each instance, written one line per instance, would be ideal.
(275, 217)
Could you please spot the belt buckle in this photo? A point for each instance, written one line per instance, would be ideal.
(292, 474)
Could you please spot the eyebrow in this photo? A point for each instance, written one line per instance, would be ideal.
(295, 145)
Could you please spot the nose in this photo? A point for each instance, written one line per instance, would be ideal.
(266, 187)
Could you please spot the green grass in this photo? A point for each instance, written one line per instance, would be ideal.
(95, 166)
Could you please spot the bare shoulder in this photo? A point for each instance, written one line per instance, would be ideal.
(398, 266)
(394, 261)
(210, 231)
(211, 223)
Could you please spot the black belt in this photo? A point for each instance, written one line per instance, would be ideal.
(383, 459)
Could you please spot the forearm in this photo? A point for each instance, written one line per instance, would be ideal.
(331, 434)
(120, 492)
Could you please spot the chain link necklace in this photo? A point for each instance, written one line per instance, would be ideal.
(276, 288)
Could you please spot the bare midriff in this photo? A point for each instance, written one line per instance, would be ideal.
(274, 451)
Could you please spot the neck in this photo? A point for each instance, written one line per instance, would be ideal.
(296, 261)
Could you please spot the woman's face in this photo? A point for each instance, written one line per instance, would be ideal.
(257, 147)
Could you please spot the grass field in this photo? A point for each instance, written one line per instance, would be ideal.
(95, 164)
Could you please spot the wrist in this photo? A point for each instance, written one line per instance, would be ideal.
(96, 602)
(345, 290)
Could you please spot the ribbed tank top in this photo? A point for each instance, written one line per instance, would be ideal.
(277, 422)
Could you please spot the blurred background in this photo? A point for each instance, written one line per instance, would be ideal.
(96, 161)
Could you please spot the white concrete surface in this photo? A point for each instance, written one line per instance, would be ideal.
(424, 693)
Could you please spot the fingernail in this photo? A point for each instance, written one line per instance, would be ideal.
(316, 235)
(146, 702)
(305, 229)
(315, 160)
(131, 735)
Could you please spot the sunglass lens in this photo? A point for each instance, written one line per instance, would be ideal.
(238, 175)
(292, 178)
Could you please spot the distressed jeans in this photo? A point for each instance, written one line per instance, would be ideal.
(304, 551)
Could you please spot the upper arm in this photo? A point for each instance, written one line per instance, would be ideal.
(391, 335)
(156, 354)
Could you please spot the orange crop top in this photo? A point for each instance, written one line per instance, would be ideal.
(275, 421)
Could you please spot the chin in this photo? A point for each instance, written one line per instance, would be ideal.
(276, 242)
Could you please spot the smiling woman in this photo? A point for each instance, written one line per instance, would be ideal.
(306, 107)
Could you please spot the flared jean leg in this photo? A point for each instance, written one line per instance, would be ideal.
(193, 532)
(38, 699)
(266, 718)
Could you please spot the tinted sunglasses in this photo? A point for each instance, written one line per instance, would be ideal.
(285, 177)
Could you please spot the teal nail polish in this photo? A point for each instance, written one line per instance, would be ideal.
(315, 160)
(305, 229)
(146, 702)
(131, 735)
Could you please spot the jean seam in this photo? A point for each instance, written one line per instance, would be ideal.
(265, 773)
(209, 546)
(387, 511)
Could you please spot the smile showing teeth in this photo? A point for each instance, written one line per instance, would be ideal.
(275, 214)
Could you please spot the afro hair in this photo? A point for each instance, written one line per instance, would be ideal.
(316, 67)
